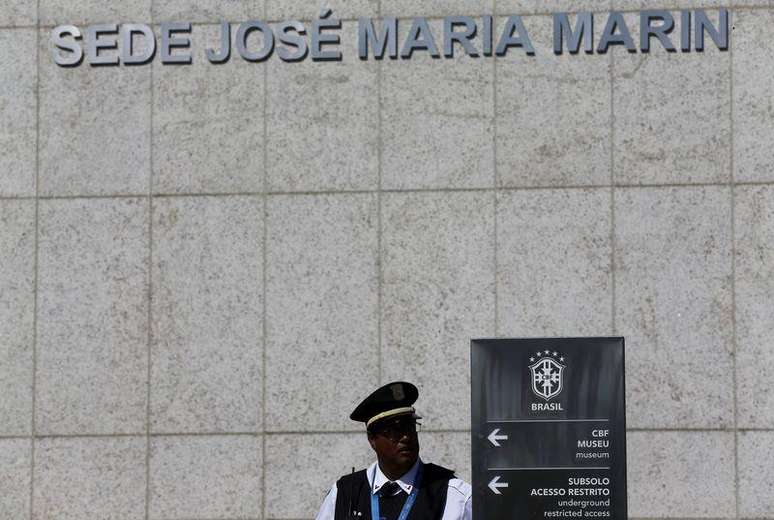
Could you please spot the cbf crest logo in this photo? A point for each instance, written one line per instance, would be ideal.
(547, 371)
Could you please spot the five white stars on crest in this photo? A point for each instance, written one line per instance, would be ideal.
(546, 352)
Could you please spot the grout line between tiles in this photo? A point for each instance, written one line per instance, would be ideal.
(143, 434)
(87, 197)
(496, 181)
(462, 12)
(36, 268)
(149, 324)
(611, 73)
(729, 429)
(734, 342)
(264, 276)
(379, 231)
(499, 189)
(688, 429)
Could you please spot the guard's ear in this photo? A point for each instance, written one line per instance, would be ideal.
(371, 440)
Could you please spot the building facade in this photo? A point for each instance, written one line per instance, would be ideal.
(204, 267)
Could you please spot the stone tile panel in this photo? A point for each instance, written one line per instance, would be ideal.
(507, 7)
(754, 228)
(16, 13)
(205, 477)
(77, 478)
(15, 476)
(448, 449)
(18, 83)
(671, 476)
(280, 10)
(17, 308)
(301, 468)
(406, 8)
(672, 113)
(95, 144)
(323, 122)
(438, 292)
(92, 352)
(554, 263)
(207, 314)
(83, 12)
(756, 482)
(204, 11)
(753, 96)
(208, 121)
(673, 305)
(437, 119)
(710, 5)
(553, 114)
(321, 308)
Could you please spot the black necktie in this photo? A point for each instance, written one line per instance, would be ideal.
(389, 489)
(391, 500)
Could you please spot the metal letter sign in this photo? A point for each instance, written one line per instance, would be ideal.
(549, 428)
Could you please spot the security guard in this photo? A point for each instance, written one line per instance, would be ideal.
(398, 486)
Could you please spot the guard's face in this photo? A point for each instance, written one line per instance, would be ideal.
(395, 440)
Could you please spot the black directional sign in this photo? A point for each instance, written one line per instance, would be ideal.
(549, 428)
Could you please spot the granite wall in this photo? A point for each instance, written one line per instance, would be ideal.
(203, 268)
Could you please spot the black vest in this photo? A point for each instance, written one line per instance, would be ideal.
(353, 496)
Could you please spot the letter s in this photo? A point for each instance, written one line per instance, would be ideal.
(296, 41)
(74, 56)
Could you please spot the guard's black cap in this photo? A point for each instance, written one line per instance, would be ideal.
(390, 400)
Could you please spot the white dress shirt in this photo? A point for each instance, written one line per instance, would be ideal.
(459, 505)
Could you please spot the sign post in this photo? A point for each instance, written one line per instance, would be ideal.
(548, 428)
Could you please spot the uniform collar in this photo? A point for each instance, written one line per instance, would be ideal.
(378, 479)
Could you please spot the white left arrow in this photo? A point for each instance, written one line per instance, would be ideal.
(494, 485)
(493, 437)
